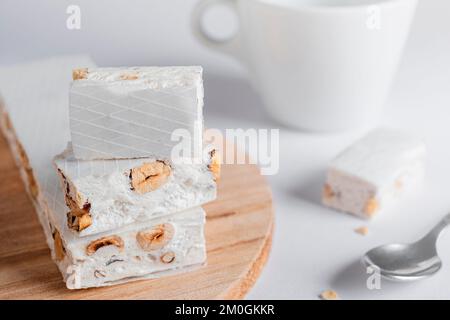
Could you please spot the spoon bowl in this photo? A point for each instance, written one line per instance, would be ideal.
(403, 262)
(408, 262)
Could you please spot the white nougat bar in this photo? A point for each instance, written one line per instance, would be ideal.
(146, 250)
(372, 172)
(118, 113)
(102, 195)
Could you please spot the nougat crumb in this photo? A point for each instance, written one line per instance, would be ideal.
(362, 230)
(329, 295)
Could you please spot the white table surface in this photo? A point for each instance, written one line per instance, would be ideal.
(314, 248)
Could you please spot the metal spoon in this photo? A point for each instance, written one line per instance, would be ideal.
(407, 262)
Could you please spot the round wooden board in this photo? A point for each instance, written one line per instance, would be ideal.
(238, 234)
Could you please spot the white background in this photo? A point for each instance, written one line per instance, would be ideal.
(314, 248)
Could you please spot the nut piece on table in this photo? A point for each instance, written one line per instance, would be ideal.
(149, 176)
(214, 166)
(79, 74)
(155, 238)
(168, 257)
(103, 242)
(362, 231)
(329, 295)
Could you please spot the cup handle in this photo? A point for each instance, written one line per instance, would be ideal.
(231, 46)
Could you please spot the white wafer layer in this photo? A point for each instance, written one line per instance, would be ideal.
(374, 171)
(120, 113)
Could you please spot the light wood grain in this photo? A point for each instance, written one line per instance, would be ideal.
(238, 234)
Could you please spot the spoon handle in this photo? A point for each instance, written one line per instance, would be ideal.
(437, 230)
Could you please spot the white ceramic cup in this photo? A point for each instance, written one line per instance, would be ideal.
(320, 65)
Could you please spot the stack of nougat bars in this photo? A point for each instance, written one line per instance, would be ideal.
(132, 210)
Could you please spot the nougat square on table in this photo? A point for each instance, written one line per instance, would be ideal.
(374, 171)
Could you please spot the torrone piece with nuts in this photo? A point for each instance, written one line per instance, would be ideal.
(147, 249)
(365, 177)
(102, 195)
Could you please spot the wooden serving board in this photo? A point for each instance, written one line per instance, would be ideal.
(238, 234)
